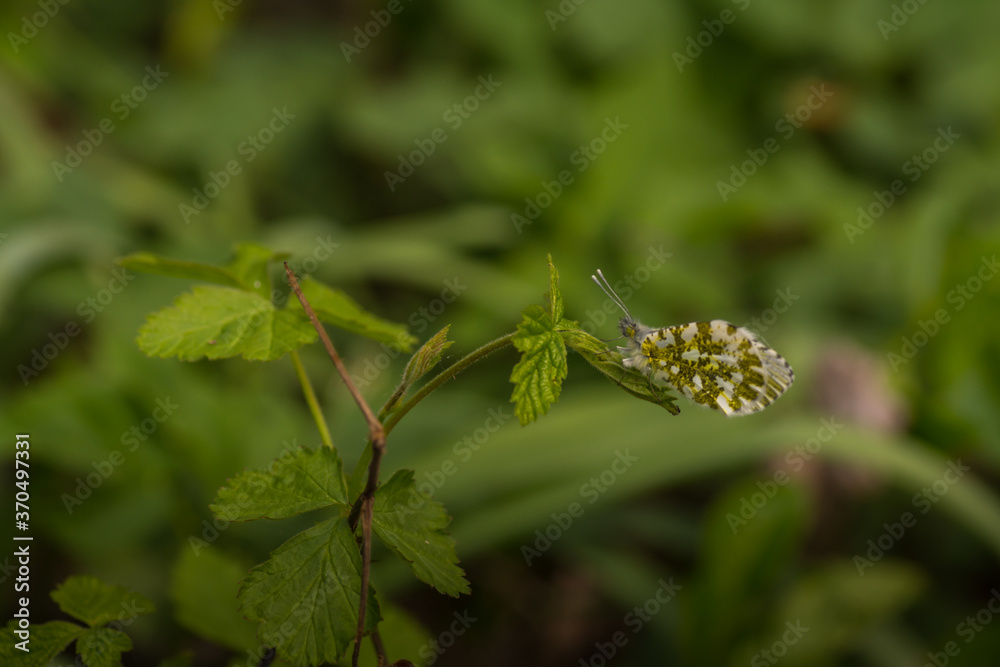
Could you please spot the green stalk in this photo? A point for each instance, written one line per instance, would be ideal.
(307, 390)
(444, 376)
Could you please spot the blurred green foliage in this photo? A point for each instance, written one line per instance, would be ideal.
(184, 128)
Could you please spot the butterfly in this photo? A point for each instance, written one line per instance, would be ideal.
(715, 364)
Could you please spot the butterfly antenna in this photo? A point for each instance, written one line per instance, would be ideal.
(606, 286)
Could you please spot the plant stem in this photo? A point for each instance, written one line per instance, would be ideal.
(366, 544)
(307, 389)
(446, 375)
(396, 395)
(376, 433)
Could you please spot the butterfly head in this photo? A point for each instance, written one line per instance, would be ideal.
(628, 325)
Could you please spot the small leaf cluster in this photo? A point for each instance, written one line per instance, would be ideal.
(306, 595)
(106, 610)
(239, 314)
(542, 338)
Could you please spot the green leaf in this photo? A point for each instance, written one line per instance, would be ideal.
(96, 603)
(335, 307)
(103, 647)
(427, 357)
(147, 262)
(609, 362)
(554, 296)
(300, 481)
(538, 376)
(412, 525)
(306, 595)
(250, 267)
(422, 361)
(47, 641)
(204, 594)
(220, 322)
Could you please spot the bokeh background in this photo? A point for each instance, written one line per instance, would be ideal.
(823, 172)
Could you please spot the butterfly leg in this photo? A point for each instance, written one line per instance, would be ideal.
(652, 388)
